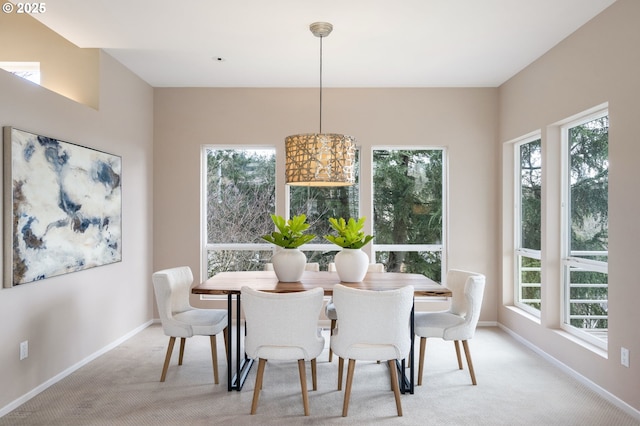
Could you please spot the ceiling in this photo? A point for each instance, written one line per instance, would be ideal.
(374, 43)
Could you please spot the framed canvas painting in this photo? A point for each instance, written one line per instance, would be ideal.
(62, 207)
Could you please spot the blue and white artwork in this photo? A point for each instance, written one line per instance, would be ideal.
(63, 206)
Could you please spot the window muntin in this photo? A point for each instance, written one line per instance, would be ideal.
(239, 197)
(585, 243)
(528, 224)
(408, 210)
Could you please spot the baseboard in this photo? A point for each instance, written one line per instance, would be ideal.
(571, 372)
(35, 391)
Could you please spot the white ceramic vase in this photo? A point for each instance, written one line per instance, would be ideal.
(351, 265)
(288, 264)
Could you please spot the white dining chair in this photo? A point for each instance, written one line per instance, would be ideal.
(179, 319)
(374, 325)
(283, 326)
(459, 322)
(330, 309)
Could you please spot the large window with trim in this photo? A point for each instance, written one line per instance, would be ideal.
(585, 227)
(527, 256)
(238, 198)
(409, 209)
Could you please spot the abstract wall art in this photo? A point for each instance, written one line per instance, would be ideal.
(62, 207)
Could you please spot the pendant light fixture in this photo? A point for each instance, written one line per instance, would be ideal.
(320, 159)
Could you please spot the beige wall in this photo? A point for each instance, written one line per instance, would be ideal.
(599, 63)
(462, 120)
(68, 318)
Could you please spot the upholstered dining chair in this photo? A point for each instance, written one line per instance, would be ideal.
(312, 266)
(180, 319)
(459, 322)
(374, 325)
(283, 326)
(330, 309)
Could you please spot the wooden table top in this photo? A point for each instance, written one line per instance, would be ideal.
(232, 282)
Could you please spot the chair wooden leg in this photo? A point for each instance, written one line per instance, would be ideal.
(333, 325)
(340, 368)
(347, 390)
(214, 358)
(182, 341)
(167, 358)
(314, 375)
(391, 378)
(465, 344)
(258, 386)
(303, 386)
(423, 345)
(457, 344)
(395, 386)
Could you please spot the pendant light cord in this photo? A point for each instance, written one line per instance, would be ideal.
(321, 84)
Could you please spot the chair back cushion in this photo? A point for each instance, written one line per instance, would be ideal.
(372, 325)
(468, 291)
(456, 282)
(172, 287)
(282, 326)
(375, 267)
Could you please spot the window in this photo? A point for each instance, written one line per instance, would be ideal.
(239, 196)
(528, 224)
(585, 227)
(319, 204)
(27, 70)
(408, 210)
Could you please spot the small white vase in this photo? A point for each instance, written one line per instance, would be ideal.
(288, 264)
(351, 265)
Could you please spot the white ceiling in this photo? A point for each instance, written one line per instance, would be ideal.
(374, 43)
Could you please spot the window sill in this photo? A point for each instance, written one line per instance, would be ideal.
(562, 333)
(524, 314)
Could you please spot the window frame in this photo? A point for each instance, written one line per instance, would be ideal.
(204, 239)
(568, 261)
(441, 248)
(520, 251)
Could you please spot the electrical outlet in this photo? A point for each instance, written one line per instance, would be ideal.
(624, 357)
(24, 349)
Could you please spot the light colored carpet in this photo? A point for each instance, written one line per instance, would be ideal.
(515, 387)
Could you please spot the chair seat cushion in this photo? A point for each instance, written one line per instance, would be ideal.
(370, 352)
(435, 324)
(284, 353)
(205, 322)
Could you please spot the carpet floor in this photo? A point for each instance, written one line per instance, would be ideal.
(515, 387)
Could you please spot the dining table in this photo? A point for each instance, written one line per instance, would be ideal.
(230, 284)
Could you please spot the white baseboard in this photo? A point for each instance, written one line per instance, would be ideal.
(579, 377)
(35, 391)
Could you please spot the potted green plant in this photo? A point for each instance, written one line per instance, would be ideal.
(289, 264)
(351, 262)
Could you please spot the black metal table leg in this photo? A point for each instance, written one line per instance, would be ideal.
(229, 342)
(406, 384)
(243, 363)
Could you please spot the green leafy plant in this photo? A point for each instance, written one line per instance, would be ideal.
(349, 233)
(291, 232)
